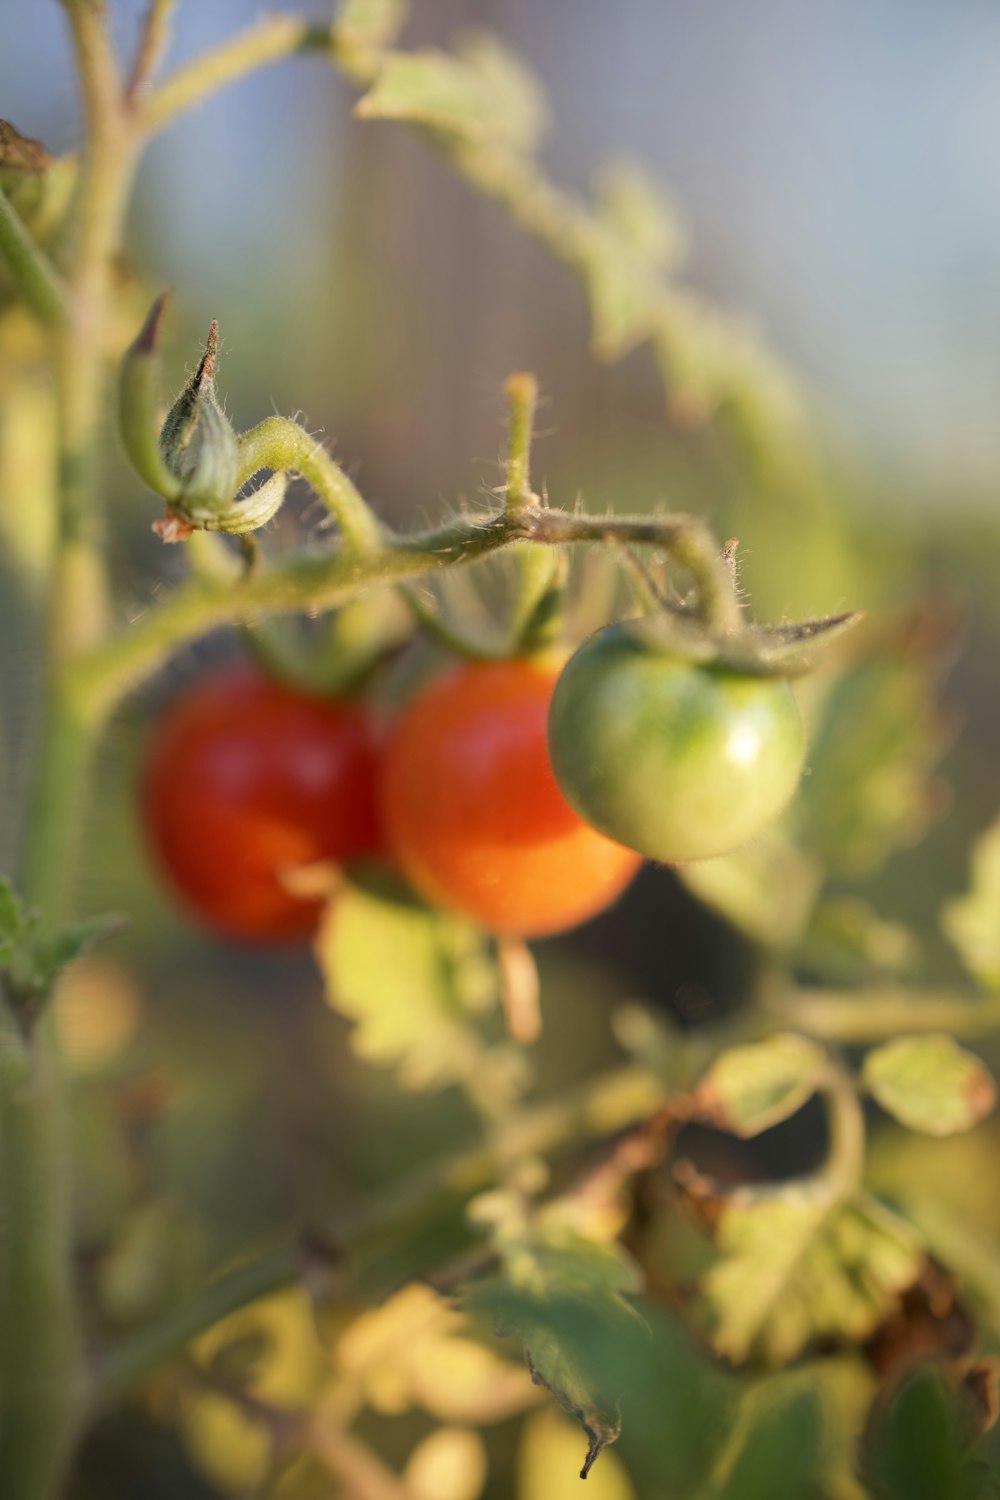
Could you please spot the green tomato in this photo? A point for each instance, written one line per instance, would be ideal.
(676, 760)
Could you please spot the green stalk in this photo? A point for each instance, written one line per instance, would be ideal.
(42, 1385)
(41, 1363)
(36, 277)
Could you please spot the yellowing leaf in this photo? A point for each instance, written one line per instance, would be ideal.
(428, 87)
(516, 99)
(797, 1268)
(228, 1446)
(450, 1464)
(748, 1089)
(483, 93)
(413, 1351)
(409, 978)
(282, 1361)
(971, 921)
(370, 25)
(930, 1083)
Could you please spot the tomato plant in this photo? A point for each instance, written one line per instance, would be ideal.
(237, 1191)
(678, 760)
(473, 813)
(247, 780)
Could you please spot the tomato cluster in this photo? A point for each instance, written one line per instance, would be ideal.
(520, 795)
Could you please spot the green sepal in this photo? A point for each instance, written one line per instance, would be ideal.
(200, 447)
(138, 419)
(753, 650)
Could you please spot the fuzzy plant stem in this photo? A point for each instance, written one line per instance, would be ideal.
(41, 1364)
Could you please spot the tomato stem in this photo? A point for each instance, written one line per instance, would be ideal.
(41, 1358)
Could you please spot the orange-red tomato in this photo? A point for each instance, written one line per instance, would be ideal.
(472, 812)
(245, 781)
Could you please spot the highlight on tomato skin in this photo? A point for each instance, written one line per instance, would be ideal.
(247, 780)
(472, 812)
(680, 760)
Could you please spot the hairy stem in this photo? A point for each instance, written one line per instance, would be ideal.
(317, 581)
(281, 444)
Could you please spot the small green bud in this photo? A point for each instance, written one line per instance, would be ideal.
(199, 446)
(138, 394)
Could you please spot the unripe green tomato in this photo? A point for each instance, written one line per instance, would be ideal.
(676, 760)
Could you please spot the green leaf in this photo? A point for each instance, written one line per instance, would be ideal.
(748, 1089)
(484, 94)
(918, 1445)
(635, 208)
(516, 99)
(766, 890)
(31, 961)
(869, 788)
(775, 1447)
(797, 1267)
(410, 978)
(429, 88)
(972, 922)
(14, 921)
(621, 295)
(930, 1083)
(848, 943)
(369, 25)
(76, 941)
(565, 1303)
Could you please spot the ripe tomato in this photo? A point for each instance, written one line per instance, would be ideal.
(247, 779)
(472, 812)
(679, 761)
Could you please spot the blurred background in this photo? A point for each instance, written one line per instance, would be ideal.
(837, 175)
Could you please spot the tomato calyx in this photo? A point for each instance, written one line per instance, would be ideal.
(787, 650)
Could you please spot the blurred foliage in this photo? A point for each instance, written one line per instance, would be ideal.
(799, 1267)
(930, 1083)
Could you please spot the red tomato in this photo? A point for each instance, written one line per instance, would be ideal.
(246, 780)
(472, 812)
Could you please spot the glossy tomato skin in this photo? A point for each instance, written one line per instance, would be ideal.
(679, 761)
(246, 779)
(472, 812)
